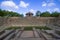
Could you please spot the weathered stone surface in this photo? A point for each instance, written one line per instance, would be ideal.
(31, 21)
(27, 34)
(30, 39)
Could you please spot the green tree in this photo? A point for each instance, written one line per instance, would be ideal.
(1, 13)
(4, 13)
(38, 13)
(45, 14)
(55, 14)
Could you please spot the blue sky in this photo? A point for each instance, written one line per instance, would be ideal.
(24, 6)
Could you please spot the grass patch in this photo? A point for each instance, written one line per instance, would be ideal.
(28, 28)
(44, 28)
(13, 28)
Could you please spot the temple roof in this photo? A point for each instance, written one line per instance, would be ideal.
(29, 13)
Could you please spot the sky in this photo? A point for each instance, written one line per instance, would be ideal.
(24, 6)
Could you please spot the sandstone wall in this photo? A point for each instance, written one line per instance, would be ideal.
(57, 21)
(27, 21)
(1, 21)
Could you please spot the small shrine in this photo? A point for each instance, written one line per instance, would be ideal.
(29, 14)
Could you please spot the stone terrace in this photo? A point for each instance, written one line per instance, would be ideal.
(35, 34)
(21, 34)
(29, 21)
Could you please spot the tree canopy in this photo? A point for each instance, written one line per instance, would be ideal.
(55, 14)
(4, 13)
(38, 13)
(47, 14)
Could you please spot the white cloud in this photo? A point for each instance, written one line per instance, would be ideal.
(9, 10)
(44, 4)
(23, 4)
(50, 4)
(33, 11)
(9, 4)
(56, 9)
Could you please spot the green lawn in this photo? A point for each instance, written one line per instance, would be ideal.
(42, 27)
(13, 28)
(28, 28)
(37, 27)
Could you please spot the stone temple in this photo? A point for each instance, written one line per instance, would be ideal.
(30, 28)
(29, 14)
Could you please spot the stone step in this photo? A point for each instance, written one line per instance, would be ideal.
(17, 35)
(10, 36)
(35, 33)
(27, 34)
(6, 34)
(55, 35)
(46, 36)
(1, 32)
(30, 39)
